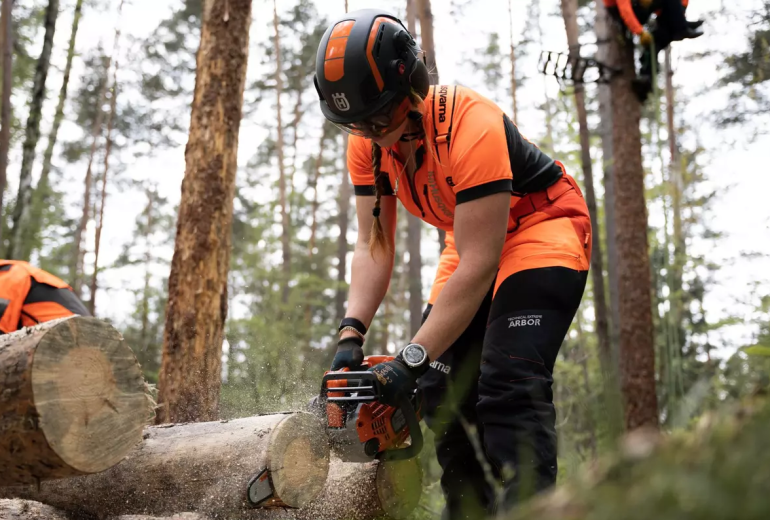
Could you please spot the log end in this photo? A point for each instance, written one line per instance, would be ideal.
(399, 486)
(298, 459)
(89, 393)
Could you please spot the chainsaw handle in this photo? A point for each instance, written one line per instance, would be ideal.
(415, 433)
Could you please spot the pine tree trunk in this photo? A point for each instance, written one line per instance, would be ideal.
(677, 186)
(637, 349)
(425, 15)
(6, 29)
(513, 65)
(145, 319)
(604, 55)
(314, 217)
(103, 195)
(414, 231)
(189, 382)
(342, 240)
(569, 13)
(31, 217)
(32, 134)
(76, 270)
(411, 17)
(285, 233)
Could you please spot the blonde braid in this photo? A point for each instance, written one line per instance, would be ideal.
(377, 238)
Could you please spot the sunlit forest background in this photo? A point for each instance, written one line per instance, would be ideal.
(94, 199)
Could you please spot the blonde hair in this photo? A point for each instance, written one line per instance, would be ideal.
(378, 241)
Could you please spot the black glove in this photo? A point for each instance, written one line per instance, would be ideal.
(395, 379)
(349, 354)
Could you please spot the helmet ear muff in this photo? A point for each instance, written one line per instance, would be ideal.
(410, 69)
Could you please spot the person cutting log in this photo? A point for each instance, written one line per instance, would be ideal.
(508, 283)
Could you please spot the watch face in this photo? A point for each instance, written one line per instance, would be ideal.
(414, 354)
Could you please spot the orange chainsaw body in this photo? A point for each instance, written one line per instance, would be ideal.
(378, 427)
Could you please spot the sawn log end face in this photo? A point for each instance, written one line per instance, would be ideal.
(89, 393)
(298, 459)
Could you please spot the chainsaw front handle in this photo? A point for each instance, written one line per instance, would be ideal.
(415, 433)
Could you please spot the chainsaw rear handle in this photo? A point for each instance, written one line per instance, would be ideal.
(372, 392)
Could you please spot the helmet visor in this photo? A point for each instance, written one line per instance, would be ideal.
(382, 123)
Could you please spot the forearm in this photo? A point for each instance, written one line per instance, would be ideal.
(369, 279)
(455, 307)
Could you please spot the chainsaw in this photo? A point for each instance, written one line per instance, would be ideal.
(359, 426)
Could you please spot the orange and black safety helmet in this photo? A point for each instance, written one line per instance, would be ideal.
(367, 64)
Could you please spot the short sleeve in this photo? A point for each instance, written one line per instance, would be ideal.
(360, 167)
(479, 150)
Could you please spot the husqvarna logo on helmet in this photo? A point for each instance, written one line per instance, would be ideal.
(341, 102)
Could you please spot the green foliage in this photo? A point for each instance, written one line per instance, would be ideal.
(748, 72)
(720, 470)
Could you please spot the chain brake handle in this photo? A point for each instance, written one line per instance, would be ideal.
(370, 387)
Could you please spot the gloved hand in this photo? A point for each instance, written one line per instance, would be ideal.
(349, 354)
(645, 39)
(395, 378)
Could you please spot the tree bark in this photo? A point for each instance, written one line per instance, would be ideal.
(6, 30)
(32, 214)
(73, 400)
(637, 350)
(203, 467)
(605, 55)
(513, 65)
(285, 233)
(16, 509)
(414, 231)
(103, 196)
(32, 134)
(189, 379)
(569, 13)
(352, 491)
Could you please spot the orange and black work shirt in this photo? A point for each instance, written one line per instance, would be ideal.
(29, 295)
(477, 151)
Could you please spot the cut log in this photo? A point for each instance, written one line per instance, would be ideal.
(364, 491)
(28, 510)
(352, 492)
(72, 400)
(203, 468)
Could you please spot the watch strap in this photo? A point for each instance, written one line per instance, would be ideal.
(354, 324)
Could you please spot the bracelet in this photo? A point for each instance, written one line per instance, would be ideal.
(353, 322)
(353, 330)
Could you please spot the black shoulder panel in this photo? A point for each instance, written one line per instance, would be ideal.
(532, 169)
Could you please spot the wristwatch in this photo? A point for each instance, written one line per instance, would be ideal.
(415, 357)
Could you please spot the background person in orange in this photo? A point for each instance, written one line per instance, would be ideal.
(510, 280)
(29, 296)
(670, 25)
